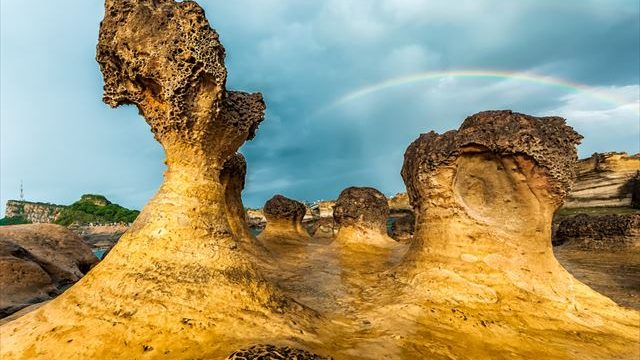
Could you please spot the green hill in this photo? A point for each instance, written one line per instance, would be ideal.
(95, 209)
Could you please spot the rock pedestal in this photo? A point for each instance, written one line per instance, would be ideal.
(361, 215)
(284, 220)
(484, 197)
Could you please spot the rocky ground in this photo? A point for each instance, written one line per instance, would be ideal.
(615, 274)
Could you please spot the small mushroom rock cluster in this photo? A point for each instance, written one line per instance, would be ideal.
(361, 215)
(284, 221)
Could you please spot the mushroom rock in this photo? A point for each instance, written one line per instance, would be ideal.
(176, 284)
(361, 215)
(484, 198)
(284, 220)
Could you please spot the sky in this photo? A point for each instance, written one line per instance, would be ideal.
(348, 84)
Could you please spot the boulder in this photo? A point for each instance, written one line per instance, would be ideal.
(400, 202)
(323, 209)
(361, 215)
(38, 262)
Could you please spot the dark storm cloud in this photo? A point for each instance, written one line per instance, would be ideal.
(303, 55)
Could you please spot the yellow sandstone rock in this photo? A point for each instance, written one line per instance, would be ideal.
(361, 215)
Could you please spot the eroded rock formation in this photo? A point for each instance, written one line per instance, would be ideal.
(100, 237)
(284, 220)
(479, 280)
(605, 180)
(176, 283)
(484, 198)
(361, 215)
(608, 232)
(37, 262)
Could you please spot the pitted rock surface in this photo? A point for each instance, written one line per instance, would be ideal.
(282, 208)
(273, 352)
(612, 232)
(361, 206)
(548, 140)
(164, 57)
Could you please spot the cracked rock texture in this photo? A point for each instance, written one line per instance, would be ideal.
(361, 215)
(284, 220)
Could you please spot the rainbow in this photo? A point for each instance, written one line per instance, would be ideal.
(527, 77)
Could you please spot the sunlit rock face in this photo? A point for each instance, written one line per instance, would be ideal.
(484, 197)
(361, 215)
(177, 284)
(284, 220)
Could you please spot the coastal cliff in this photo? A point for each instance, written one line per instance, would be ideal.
(605, 180)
